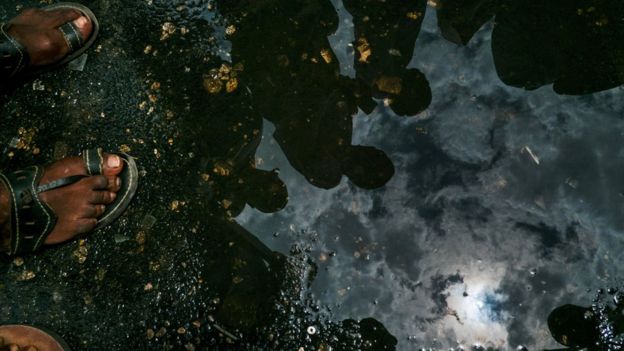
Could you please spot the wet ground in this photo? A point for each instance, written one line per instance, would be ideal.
(346, 175)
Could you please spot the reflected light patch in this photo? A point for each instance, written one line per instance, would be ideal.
(475, 313)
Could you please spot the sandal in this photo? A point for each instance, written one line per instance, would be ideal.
(32, 219)
(14, 58)
(39, 338)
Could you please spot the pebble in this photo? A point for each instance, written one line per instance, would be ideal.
(161, 332)
(26, 275)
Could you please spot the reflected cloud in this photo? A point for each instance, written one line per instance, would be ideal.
(475, 307)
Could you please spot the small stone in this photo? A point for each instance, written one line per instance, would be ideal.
(364, 49)
(413, 15)
(150, 334)
(181, 330)
(389, 84)
(148, 221)
(18, 261)
(222, 169)
(88, 299)
(161, 332)
(38, 85)
(154, 266)
(148, 287)
(101, 273)
(140, 237)
(25, 275)
(231, 85)
(326, 55)
(81, 253)
(213, 85)
(231, 29)
(168, 29)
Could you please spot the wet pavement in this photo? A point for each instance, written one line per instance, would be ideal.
(316, 175)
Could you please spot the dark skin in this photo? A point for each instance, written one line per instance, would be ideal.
(77, 206)
(36, 30)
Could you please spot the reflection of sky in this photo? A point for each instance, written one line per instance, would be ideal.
(475, 307)
(468, 210)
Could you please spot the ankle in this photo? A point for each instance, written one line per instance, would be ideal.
(5, 219)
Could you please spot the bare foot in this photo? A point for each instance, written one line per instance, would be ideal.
(37, 30)
(78, 205)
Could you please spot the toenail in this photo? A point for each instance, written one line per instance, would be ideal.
(112, 196)
(117, 182)
(81, 21)
(113, 161)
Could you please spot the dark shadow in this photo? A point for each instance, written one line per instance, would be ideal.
(293, 78)
(576, 45)
(385, 34)
(598, 327)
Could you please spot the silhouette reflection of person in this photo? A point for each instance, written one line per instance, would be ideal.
(576, 45)
(295, 83)
(385, 35)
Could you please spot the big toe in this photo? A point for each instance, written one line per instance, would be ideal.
(113, 164)
(84, 26)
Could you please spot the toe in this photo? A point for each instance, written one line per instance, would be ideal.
(102, 197)
(114, 183)
(92, 211)
(112, 164)
(97, 182)
(84, 26)
(96, 211)
(61, 16)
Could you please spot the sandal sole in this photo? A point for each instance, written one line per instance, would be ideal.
(129, 183)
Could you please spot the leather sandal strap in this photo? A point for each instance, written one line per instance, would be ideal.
(59, 183)
(31, 219)
(13, 55)
(71, 33)
(94, 161)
